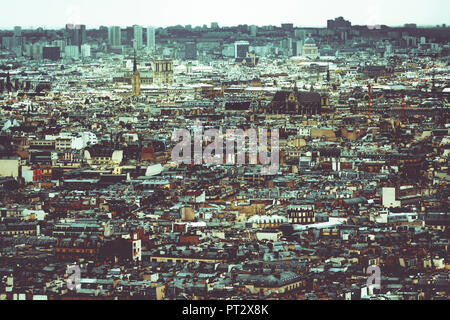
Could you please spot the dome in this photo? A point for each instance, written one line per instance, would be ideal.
(310, 41)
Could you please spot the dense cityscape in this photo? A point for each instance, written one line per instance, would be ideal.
(94, 206)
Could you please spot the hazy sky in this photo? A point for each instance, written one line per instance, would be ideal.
(93, 13)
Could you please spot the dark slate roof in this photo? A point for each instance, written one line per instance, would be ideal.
(302, 97)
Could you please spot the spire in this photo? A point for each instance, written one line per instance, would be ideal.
(135, 79)
(8, 82)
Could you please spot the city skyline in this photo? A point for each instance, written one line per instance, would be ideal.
(200, 12)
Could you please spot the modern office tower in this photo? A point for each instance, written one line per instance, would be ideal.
(127, 35)
(85, 51)
(298, 47)
(411, 25)
(339, 23)
(300, 34)
(61, 44)
(80, 39)
(135, 80)
(7, 43)
(11, 43)
(51, 53)
(115, 36)
(72, 52)
(27, 50)
(293, 47)
(163, 72)
(290, 46)
(36, 50)
(410, 41)
(190, 52)
(151, 38)
(17, 31)
(228, 50)
(287, 26)
(214, 25)
(76, 34)
(241, 49)
(253, 30)
(138, 35)
(103, 32)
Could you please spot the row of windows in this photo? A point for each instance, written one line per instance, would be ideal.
(27, 232)
(293, 286)
(42, 143)
(164, 67)
(296, 214)
(167, 260)
(302, 220)
(91, 251)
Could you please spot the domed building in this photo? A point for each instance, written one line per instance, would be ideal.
(310, 49)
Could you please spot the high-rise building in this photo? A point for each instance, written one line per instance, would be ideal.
(127, 35)
(72, 52)
(241, 49)
(287, 26)
(76, 34)
(85, 51)
(81, 39)
(11, 43)
(253, 30)
(190, 52)
(339, 23)
(115, 36)
(103, 32)
(61, 44)
(37, 50)
(151, 38)
(300, 34)
(138, 35)
(297, 47)
(214, 25)
(51, 53)
(17, 31)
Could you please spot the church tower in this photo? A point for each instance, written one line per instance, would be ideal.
(136, 79)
